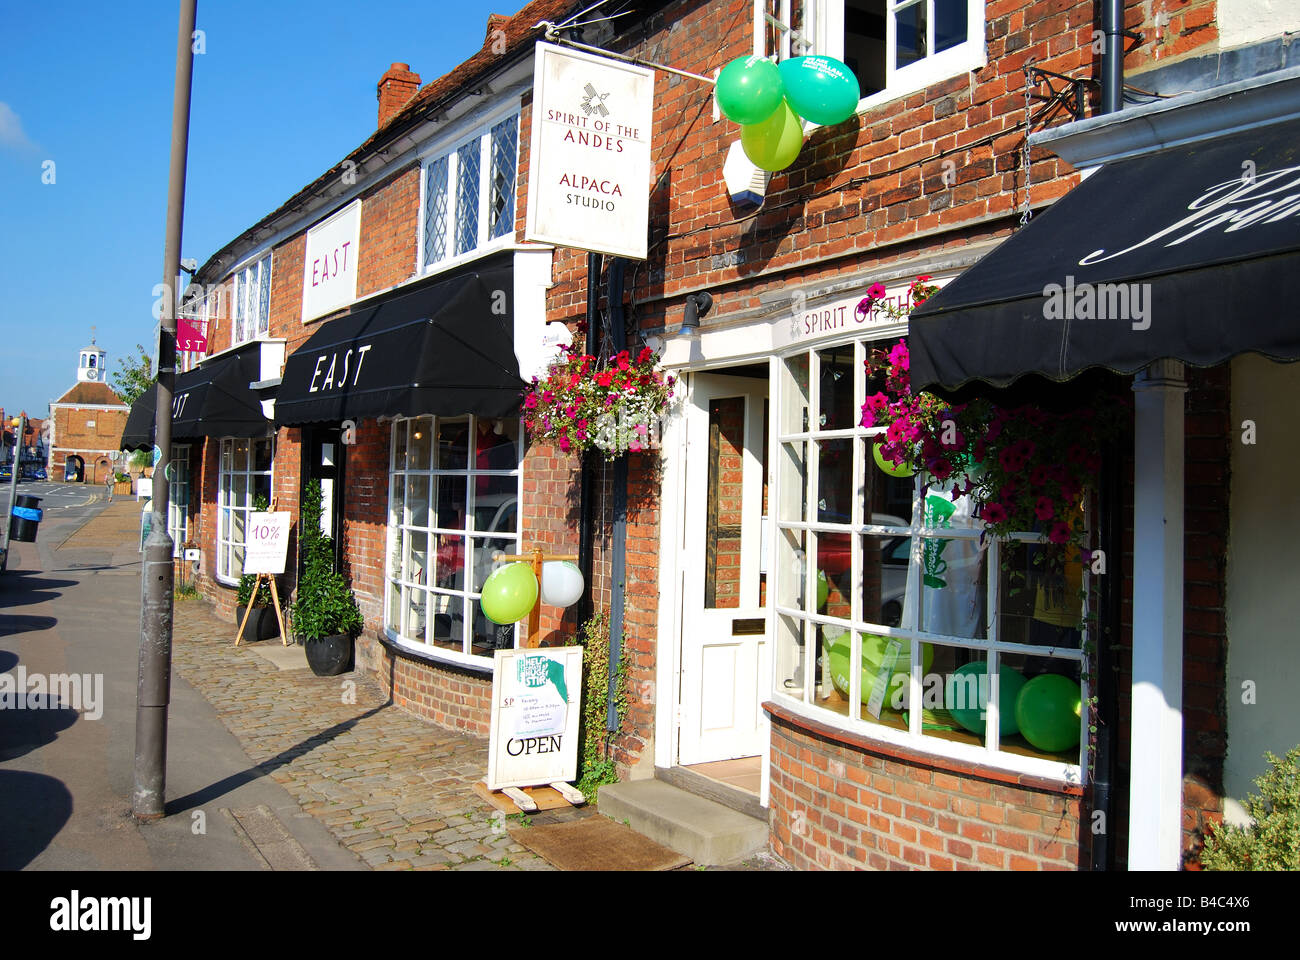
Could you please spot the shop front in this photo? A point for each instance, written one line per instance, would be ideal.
(407, 412)
(843, 633)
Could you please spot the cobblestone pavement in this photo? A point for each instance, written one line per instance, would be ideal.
(395, 790)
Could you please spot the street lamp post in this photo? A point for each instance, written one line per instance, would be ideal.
(153, 692)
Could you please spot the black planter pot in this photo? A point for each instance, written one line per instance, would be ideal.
(262, 624)
(330, 656)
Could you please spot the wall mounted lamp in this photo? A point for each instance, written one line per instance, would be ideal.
(697, 305)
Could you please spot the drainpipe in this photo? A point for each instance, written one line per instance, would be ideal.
(1112, 63)
(585, 525)
(618, 562)
(1106, 687)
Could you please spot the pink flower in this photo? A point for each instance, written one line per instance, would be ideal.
(1044, 509)
(994, 513)
(939, 469)
(564, 444)
(530, 402)
(1060, 533)
(547, 396)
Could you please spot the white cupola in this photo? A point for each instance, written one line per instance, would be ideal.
(91, 366)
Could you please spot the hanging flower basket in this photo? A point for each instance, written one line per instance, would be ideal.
(1026, 467)
(613, 406)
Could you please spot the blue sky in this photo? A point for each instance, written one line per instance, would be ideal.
(283, 91)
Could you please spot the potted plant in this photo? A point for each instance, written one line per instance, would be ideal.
(324, 615)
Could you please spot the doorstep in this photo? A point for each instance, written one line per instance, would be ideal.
(704, 830)
(703, 780)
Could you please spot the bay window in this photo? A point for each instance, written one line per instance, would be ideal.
(243, 478)
(894, 47)
(896, 616)
(469, 193)
(453, 506)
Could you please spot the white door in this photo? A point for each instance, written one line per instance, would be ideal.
(725, 657)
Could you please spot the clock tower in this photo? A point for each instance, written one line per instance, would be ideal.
(91, 367)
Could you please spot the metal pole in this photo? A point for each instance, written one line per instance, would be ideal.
(153, 691)
(13, 482)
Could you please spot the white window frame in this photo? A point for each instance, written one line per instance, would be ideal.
(824, 34)
(395, 573)
(178, 498)
(226, 508)
(245, 286)
(447, 148)
(858, 719)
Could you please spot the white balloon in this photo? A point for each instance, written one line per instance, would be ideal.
(562, 583)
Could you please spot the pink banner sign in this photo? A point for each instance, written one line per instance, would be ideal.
(189, 337)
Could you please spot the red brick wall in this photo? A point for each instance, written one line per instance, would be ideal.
(389, 218)
(839, 805)
(451, 697)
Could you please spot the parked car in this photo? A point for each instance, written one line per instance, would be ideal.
(6, 472)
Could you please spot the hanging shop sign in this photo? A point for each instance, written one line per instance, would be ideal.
(536, 703)
(589, 167)
(329, 271)
(266, 543)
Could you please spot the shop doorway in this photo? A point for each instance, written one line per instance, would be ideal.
(725, 655)
(322, 450)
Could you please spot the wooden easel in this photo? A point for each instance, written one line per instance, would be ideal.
(566, 791)
(275, 599)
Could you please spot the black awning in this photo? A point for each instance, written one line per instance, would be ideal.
(212, 400)
(1192, 253)
(444, 346)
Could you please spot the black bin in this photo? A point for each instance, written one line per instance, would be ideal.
(26, 518)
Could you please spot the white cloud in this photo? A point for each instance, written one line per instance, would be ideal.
(11, 130)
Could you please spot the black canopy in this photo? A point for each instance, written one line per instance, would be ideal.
(442, 346)
(1192, 253)
(212, 400)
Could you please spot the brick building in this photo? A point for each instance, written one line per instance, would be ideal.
(86, 422)
(759, 542)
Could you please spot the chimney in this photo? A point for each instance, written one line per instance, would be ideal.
(395, 90)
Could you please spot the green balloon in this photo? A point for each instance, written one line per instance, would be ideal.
(821, 89)
(1047, 710)
(894, 470)
(874, 651)
(509, 593)
(773, 144)
(749, 89)
(971, 714)
(823, 589)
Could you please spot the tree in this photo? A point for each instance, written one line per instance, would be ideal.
(134, 376)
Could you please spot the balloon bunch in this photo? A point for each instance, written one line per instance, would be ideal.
(511, 592)
(768, 100)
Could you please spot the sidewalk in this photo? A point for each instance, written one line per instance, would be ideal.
(395, 790)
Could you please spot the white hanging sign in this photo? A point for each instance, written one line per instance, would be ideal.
(536, 703)
(589, 166)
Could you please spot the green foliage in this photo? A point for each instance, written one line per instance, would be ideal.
(1272, 842)
(185, 591)
(132, 377)
(595, 766)
(323, 604)
(141, 459)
